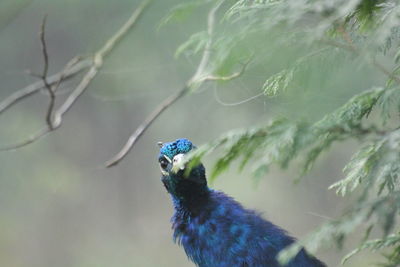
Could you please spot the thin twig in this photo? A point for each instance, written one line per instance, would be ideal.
(197, 78)
(97, 63)
(319, 215)
(68, 66)
(116, 38)
(73, 97)
(28, 141)
(49, 88)
(34, 88)
(235, 103)
(349, 46)
(210, 78)
(44, 48)
(143, 127)
(378, 65)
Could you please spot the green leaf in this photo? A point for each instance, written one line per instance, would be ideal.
(360, 167)
(389, 102)
(328, 232)
(350, 114)
(374, 245)
(180, 12)
(278, 83)
(193, 45)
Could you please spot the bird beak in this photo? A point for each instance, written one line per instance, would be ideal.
(178, 163)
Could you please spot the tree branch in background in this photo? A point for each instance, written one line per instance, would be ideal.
(143, 127)
(27, 141)
(349, 46)
(49, 88)
(161, 108)
(210, 78)
(197, 79)
(95, 64)
(201, 68)
(98, 63)
(34, 88)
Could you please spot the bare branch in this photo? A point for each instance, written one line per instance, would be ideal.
(96, 64)
(143, 127)
(73, 97)
(28, 141)
(69, 65)
(52, 91)
(160, 109)
(113, 41)
(229, 77)
(205, 58)
(44, 48)
(34, 88)
(49, 88)
(197, 78)
(235, 103)
(33, 74)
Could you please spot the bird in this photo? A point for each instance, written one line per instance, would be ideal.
(213, 228)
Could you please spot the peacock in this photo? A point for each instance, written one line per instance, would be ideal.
(213, 228)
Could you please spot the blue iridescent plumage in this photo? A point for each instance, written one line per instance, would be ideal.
(214, 229)
(173, 148)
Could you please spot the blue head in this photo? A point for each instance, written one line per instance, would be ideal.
(177, 181)
(180, 146)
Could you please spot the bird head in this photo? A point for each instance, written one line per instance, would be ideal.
(173, 165)
(172, 156)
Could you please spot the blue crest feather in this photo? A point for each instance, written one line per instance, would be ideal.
(173, 148)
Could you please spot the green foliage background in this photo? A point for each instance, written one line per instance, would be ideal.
(323, 30)
(321, 93)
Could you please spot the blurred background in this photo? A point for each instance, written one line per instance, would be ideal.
(60, 207)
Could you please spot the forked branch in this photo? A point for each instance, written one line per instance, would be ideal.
(54, 117)
(26, 92)
(49, 88)
(200, 75)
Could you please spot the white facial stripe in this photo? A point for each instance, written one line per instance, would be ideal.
(178, 163)
(167, 158)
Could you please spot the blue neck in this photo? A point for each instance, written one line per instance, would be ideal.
(189, 192)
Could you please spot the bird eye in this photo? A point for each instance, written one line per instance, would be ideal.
(163, 164)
